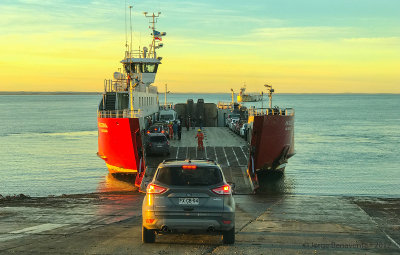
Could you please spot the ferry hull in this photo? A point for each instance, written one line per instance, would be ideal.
(120, 145)
(272, 142)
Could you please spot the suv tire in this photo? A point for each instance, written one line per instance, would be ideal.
(148, 235)
(228, 237)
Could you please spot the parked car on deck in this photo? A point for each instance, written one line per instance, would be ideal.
(237, 126)
(188, 196)
(158, 128)
(157, 144)
(230, 117)
(233, 123)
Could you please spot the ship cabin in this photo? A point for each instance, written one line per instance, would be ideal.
(143, 68)
(130, 94)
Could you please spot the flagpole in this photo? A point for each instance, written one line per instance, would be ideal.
(153, 22)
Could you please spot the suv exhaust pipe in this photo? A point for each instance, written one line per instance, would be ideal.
(210, 229)
(165, 229)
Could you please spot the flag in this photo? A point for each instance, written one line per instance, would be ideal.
(157, 38)
(156, 33)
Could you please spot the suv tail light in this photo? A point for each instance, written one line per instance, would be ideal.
(223, 190)
(155, 189)
(189, 167)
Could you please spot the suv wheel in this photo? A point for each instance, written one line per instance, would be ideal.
(148, 235)
(228, 237)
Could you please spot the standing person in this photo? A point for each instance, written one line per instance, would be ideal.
(179, 131)
(175, 129)
(171, 131)
(199, 138)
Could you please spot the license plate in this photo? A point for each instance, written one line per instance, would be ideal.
(189, 201)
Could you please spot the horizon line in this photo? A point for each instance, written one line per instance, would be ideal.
(98, 92)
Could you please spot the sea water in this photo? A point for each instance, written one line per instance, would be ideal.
(346, 144)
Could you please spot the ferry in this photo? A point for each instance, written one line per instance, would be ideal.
(130, 104)
(243, 97)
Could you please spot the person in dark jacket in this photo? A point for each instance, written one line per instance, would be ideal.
(175, 128)
(179, 131)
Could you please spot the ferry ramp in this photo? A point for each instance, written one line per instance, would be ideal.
(221, 145)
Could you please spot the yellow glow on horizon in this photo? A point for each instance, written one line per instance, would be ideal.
(70, 61)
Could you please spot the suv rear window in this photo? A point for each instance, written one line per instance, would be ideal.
(201, 176)
(158, 139)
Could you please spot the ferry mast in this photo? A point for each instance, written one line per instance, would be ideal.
(156, 35)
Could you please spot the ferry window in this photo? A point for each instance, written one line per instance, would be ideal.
(137, 68)
(129, 68)
(149, 68)
(202, 176)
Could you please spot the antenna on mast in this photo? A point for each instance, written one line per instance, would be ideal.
(126, 32)
(130, 21)
(270, 91)
(156, 35)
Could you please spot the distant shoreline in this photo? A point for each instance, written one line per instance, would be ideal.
(99, 93)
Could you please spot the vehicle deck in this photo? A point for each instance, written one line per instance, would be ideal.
(232, 157)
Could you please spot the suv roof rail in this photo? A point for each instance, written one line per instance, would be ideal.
(189, 160)
(174, 159)
(208, 159)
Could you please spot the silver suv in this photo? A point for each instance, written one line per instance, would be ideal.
(189, 196)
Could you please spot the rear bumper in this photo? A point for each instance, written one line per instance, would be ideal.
(190, 223)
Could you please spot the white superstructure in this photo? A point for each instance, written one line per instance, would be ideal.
(131, 93)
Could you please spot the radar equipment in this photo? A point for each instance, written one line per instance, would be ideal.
(270, 91)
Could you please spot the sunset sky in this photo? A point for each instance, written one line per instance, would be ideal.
(298, 46)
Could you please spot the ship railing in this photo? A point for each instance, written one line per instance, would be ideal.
(138, 54)
(166, 106)
(271, 111)
(224, 105)
(126, 113)
(120, 85)
(115, 85)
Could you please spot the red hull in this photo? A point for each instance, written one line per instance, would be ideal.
(120, 144)
(272, 141)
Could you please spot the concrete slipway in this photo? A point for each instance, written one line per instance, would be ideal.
(109, 222)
